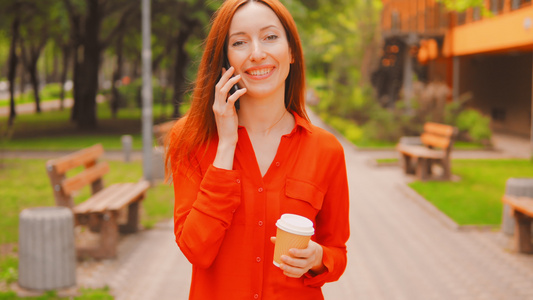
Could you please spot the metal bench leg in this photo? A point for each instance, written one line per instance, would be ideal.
(522, 237)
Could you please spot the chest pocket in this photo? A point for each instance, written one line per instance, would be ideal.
(303, 198)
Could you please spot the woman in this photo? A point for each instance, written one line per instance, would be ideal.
(236, 171)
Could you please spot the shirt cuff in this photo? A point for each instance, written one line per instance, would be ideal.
(320, 279)
(220, 193)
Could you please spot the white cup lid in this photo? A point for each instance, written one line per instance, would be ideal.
(296, 224)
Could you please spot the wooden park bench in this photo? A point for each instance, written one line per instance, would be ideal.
(109, 210)
(435, 148)
(522, 210)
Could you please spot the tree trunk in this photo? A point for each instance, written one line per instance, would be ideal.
(179, 70)
(66, 56)
(77, 80)
(115, 102)
(86, 108)
(32, 69)
(12, 72)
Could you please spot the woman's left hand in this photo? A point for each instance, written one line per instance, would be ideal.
(301, 261)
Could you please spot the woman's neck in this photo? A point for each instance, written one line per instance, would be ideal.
(264, 117)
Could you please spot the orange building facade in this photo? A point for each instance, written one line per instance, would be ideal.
(486, 52)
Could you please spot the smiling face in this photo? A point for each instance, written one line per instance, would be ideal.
(259, 51)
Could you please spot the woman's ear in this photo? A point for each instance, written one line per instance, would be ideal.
(292, 57)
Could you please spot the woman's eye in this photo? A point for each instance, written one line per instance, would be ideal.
(237, 43)
(272, 37)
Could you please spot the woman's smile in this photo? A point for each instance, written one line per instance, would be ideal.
(259, 72)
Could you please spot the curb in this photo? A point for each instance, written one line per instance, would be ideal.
(428, 206)
(439, 215)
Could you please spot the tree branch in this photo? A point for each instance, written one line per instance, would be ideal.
(121, 26)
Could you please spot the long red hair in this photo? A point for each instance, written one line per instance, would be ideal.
(198, 126)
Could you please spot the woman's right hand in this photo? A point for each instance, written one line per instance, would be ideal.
(226, 118)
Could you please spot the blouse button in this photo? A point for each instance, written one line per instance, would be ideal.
(238, 181)
(260, 190)
(256, 296)
(260, 223)
(278, 164)
(258, 259)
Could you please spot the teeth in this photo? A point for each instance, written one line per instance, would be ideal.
(260, 72)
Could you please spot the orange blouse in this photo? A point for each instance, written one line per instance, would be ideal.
(223, 219)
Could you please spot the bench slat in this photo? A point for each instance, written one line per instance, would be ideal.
(439, 129)
(84, 178)
(435, 140)
(134, 190)
(420, 151)
(98, 202)
(76, 159)
(113, 197)
(522, 204)
(120, 193)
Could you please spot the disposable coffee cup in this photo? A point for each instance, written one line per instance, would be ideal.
(293, 231)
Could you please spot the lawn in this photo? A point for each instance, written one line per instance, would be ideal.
(53, 130)
(476, 198)
(50, 92)
(24, 183)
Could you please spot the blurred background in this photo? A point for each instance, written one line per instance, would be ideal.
(377, 70)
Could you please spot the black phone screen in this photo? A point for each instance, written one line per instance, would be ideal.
(234, 88)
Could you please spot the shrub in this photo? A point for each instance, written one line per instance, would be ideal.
(475, 125)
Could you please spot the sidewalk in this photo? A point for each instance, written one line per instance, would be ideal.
(398, 249)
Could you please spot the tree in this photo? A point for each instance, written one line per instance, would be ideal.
(59, 33)
(87, 21)
(193, 18)
(338, 38)
(11, 24)
(34, 33)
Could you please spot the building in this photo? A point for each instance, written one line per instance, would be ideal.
(486, 51)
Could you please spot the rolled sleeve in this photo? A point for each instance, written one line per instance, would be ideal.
(220, 194)
(203, 211)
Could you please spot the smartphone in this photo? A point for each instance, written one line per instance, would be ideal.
(234, 88)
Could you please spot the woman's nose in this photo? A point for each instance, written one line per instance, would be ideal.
(258, 52)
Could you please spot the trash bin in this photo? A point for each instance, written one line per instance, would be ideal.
(515, 187)
(47, 258)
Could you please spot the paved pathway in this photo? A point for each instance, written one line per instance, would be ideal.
(400, 248)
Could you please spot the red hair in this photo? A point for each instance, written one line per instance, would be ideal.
(198, 126)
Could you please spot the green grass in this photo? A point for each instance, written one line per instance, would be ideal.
(49, 92)
(476, 198)
(52, 130)
(85, 294)
(24, 183)
(387, 160)
(71, 142)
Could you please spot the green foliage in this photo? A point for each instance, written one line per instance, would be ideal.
(461, 5)
(8, 269)
(475, 124)
(347, 128)
(131, 93)
(476, 198)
